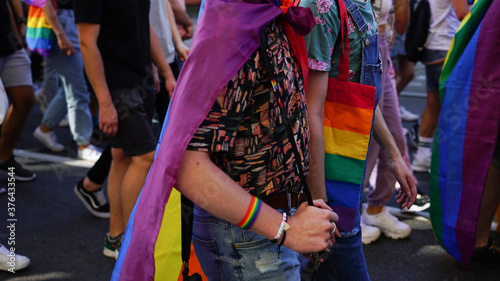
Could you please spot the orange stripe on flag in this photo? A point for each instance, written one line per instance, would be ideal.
(348, 118)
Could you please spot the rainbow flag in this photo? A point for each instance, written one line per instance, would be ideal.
(39, 34)
(36, 3)
(467, 129)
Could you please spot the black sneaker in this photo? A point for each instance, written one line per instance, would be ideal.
(14, 168)
(94, 201)
(422, 203)
(485, 257)
(414, 132)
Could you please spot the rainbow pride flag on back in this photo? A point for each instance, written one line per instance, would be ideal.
(467, 129)
(39, 34)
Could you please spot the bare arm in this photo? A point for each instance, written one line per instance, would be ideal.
(17, 9)
(408, 192)
(315, 98)
(211, 189)
(182, 18)
(92, 60)
(160, 61)
(13, 23)
(461, 8)
(402, 13)
(182, 49)
(64, 43)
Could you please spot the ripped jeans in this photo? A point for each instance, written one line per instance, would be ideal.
(227, 252)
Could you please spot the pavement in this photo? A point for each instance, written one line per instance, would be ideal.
(65, 242)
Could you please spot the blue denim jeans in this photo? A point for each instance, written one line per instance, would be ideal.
(346, 260)
(74, 97)
(227, 252)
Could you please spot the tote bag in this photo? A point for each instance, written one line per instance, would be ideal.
(349, 109)
(39, 34)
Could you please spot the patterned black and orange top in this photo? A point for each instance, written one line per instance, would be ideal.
(243, 131)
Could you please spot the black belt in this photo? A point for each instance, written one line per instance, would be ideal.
(280, 200)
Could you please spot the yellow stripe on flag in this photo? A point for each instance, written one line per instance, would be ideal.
(34, 22)
(168, 248)
(344, 143)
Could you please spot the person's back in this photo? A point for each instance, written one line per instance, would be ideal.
(444, 24)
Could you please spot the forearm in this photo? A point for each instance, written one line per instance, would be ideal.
(181, 17)
(13, 24)
(94, 68)
(176, 37)
(402, 13)
(17, 9)
(208, 187)
(157, 55)
(51, 16)
(461, 8)
(315, 98)
(383, 136)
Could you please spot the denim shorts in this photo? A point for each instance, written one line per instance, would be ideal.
(227, 252)
(433, 60)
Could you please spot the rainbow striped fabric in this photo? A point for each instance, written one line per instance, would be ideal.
(349, 110)
(36, 3)
(467, 129)
(39, 34)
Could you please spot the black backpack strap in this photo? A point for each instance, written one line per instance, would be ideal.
(187, 209)
(284, 117)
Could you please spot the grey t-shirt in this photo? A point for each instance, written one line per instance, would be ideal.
(161, 25)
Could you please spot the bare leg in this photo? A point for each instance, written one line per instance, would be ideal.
(430, 115)
(489, 204)
(406, 73)
(22, 100)
(119, 166)
(133, 182)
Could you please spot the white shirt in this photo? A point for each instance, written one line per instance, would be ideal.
(444, 25)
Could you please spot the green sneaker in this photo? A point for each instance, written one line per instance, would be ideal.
(112, 246)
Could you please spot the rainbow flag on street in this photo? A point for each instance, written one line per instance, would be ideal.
(39, 34)
(467, 129)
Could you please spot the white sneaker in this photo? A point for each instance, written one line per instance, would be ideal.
(41, 99)
(89, 153)
(12, 262)
(369, 233)
(421, 162)
(388, 224)
(64, 122)
(407, 115)
(49, 139)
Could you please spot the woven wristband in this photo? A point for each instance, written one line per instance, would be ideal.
(252, 213)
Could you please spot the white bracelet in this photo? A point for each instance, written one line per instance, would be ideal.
(280, 230)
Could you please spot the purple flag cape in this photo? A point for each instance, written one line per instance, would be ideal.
(227, 35)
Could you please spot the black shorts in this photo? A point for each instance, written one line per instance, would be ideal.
(135, 110)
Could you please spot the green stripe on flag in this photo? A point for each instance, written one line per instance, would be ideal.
(340, 168)
(40, 33)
